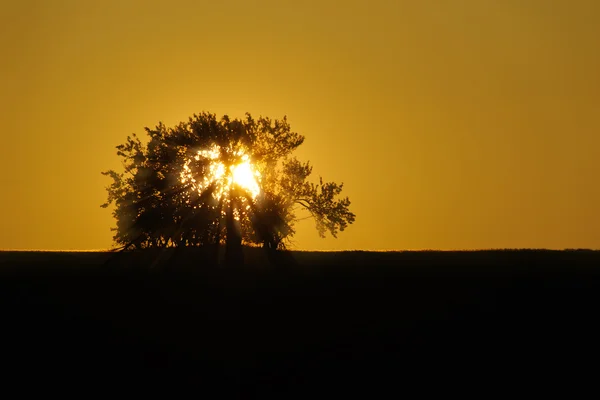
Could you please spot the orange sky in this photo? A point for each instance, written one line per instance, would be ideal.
(459, 124)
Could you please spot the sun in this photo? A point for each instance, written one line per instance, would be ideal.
(241, 173)
(246, 176)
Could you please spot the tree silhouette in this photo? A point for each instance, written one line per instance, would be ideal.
(213, 181)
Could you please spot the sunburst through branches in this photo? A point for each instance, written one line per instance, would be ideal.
(222, 170)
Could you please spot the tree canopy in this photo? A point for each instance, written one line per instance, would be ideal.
(210, 180)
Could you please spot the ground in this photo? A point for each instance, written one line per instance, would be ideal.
(350, 321)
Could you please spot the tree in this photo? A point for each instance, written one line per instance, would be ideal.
(213, 181)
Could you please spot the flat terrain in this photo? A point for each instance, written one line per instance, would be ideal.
(340, 322)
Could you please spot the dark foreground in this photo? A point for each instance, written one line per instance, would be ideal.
(326, 324)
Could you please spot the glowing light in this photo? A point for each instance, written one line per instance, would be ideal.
(244, 176)
(242, 173)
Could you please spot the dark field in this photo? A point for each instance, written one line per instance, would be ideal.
(323, 324)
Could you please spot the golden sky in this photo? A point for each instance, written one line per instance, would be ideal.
(454, 124)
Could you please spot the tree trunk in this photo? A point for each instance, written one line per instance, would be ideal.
(217, 243)
(234, 254)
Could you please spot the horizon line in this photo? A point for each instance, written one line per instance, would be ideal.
(323, 251)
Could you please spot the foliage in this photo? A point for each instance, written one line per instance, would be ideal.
(153, 207)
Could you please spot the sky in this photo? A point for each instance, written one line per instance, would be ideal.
(463, 124)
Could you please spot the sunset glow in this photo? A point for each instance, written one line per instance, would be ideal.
(242, 173)
(452, 124)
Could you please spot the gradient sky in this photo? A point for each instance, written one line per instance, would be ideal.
(456, 124)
